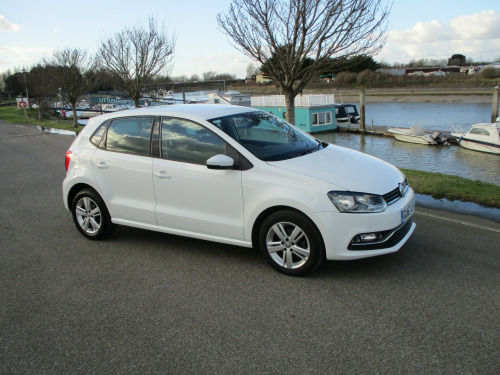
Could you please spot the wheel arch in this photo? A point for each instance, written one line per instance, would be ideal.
(271, 210)
(75, 189)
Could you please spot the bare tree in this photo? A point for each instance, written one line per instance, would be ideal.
(41, 84)
(71, 66)
(137, 55)
(209, 76)
(292, 31)
(252, 70)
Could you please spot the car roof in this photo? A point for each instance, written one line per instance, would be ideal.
(199, 111)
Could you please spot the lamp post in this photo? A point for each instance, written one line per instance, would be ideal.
(27, 96)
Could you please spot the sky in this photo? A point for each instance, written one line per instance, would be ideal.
(427, 29)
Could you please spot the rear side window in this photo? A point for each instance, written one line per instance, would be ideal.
(130, 135)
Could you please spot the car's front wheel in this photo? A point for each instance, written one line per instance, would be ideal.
(91, 216)
(291, 243)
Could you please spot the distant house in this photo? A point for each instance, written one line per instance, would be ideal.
(427, 69)
(327, 77)
(392, 72)
(262, 78)
(229, 97)
(313, 113)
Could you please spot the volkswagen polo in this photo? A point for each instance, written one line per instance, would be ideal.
(237, 176)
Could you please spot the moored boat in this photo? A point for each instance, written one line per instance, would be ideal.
(346, 113)
(483, 137)
(416, 134)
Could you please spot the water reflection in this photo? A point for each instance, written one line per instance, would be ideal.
(429, 115)
(56, 131)
(451, 160)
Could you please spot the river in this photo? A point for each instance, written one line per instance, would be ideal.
(429, 115)
(453, 160)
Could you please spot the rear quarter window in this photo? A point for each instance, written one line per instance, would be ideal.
(96, 139)
(129, 135)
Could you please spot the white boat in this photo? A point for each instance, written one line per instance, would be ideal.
(481, 137)
(416, 134)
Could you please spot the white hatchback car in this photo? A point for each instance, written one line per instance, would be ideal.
(238, 176)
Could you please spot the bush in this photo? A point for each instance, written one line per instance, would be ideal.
(346, 78)
(490, 73)
(365, 77)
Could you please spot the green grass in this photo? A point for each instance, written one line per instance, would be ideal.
(440, 185)
(14, 115)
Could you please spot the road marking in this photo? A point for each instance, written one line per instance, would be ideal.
(459, 222)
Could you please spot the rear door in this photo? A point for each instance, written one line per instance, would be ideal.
(123, 169)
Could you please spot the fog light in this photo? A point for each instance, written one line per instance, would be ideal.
(368, 237)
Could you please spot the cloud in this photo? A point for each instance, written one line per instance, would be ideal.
(472, 35)
(7, 26)
(422, 32)
(18, 56)
(485, 25)
(227, 63)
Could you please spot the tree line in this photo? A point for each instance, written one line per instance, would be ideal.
(125, 62)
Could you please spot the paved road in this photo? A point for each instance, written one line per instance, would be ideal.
(151, 303)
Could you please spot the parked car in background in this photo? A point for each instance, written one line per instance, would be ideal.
(238, 176)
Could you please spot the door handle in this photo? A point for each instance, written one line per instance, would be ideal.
(102, 165)
(162, 175)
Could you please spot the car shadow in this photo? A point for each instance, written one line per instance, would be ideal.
(406, 261)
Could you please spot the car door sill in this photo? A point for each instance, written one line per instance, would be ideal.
(180, 232)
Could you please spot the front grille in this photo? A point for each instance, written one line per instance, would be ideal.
(394, 195)
(389, 238)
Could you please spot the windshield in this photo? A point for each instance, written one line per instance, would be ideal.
(267, 137)
(351, 109)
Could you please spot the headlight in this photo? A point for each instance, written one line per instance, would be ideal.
(357, 202)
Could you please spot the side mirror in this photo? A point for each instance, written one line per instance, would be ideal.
(220, 162)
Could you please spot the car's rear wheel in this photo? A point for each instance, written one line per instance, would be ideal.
(91, 216)
(291, 243)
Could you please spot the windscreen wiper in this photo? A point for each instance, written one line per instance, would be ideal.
(311, 150)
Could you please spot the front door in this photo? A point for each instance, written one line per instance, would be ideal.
(189, 196)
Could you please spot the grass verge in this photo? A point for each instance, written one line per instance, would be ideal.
(14, 115)
(440, 185)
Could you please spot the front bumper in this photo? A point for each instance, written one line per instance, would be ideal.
(341, 230)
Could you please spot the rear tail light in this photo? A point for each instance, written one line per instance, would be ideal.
(68, 159)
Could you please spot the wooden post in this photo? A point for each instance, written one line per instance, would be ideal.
(362, 109)
(494, 106)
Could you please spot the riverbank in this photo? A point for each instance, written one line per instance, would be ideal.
(403, 95)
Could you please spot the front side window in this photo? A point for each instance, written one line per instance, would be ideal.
(130, 135)
(186, 141)
(267, 137)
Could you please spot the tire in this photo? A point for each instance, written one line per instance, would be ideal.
(291, 243)
(91, 216)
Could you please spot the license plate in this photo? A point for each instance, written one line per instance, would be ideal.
(407, 212)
